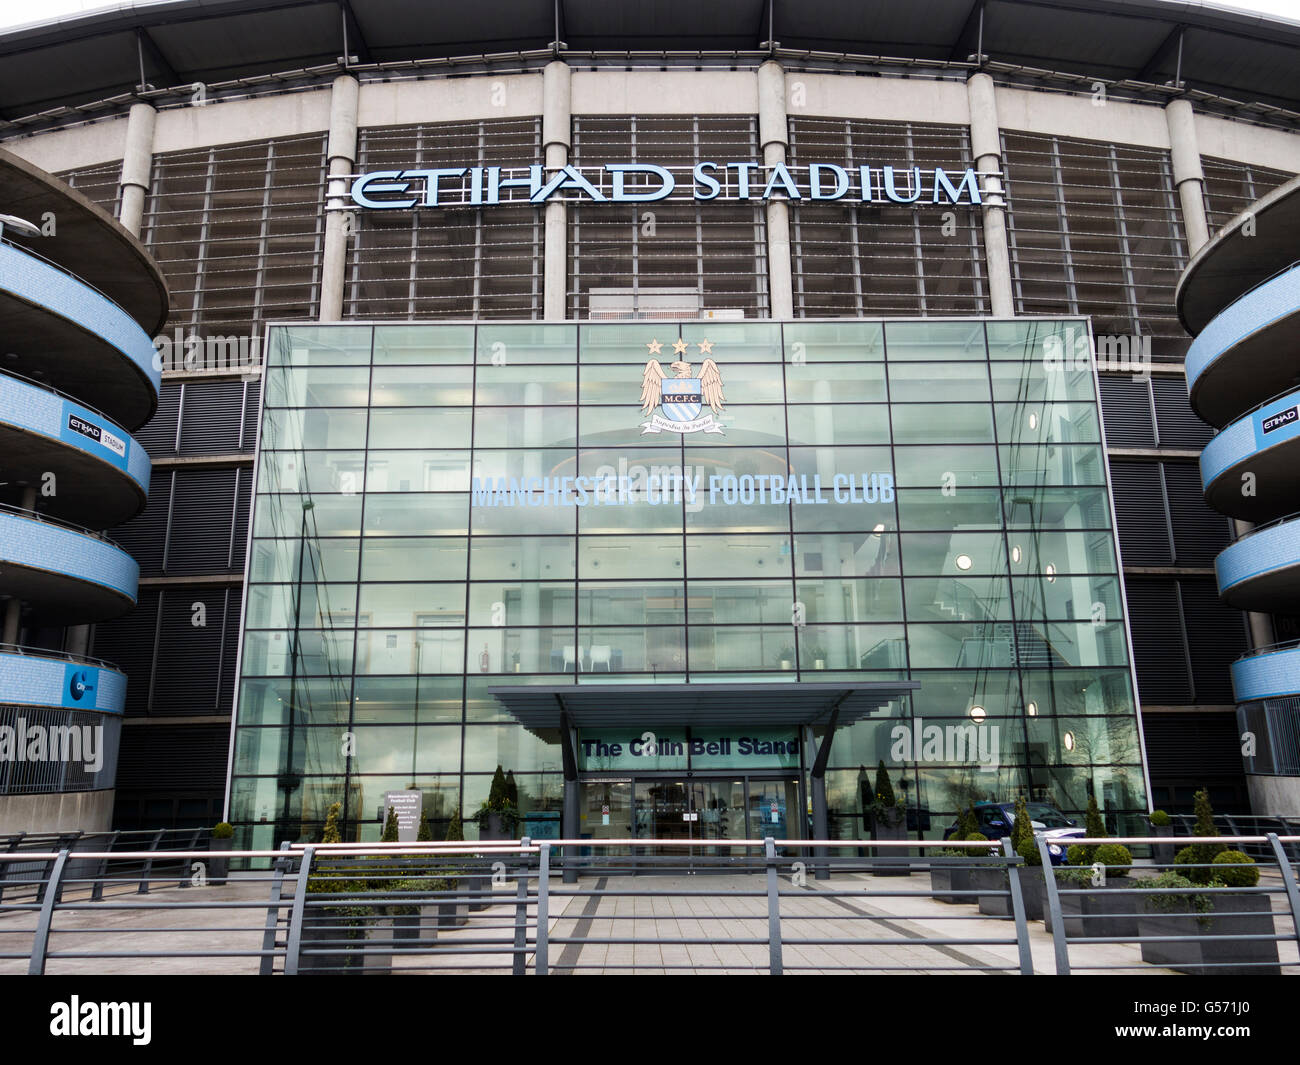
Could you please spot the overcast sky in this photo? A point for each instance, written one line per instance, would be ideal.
(24, 12)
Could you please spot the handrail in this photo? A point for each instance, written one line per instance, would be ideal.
(1269, 649)
(59, 392)
(1267, 525)
(71, 526)
(64, 656)
(64, 270)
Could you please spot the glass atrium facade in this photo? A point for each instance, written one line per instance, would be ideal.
(444, 509)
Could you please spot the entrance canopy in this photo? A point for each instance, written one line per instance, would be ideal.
(649, 705)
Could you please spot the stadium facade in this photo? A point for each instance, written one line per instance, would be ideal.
(883, 269)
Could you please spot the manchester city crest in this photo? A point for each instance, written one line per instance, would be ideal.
(682, 397)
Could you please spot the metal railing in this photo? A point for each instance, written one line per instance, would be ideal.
(1209, 928)
(733, 906)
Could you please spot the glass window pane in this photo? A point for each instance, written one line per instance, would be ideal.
(522, 558)
(609, 557)
(853, 599)
(928, 423)
(429, 427)
(411, 604)
(283, 561)
(317, 387)
(531, 385)
(527, 344)
(939, 382)
(528, 427)
(422, 386)
(521, 603)
(631, 603)
(417, 471)
(838, 424)
(919, 341)
(413, 558)
(310, 345)
(822, 342)
(414, 344)
(738, 555)
(294, 430)
(416, 513)
(329, 515)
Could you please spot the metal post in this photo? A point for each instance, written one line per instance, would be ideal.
(543, 961)
(267, 966)
(294, 943)
(185, 862)
(148, 865)
(773, 909)
(97, 892)
(1288, 879)
(520, 966)
(1018, 908)
(41, 937)
(1059, 943)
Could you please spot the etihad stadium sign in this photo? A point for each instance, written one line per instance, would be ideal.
(731, 182)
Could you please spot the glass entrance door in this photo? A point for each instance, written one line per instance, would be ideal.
(720, 805)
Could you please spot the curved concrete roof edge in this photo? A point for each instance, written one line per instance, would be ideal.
(1227, 237)
(61, 195)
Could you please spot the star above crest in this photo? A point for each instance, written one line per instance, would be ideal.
(705, 346)
(680, 346)
(655, 347)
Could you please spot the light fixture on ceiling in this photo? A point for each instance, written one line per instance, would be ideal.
(963, 562)
(1068, 740)
(977, 713)
(1032, 709)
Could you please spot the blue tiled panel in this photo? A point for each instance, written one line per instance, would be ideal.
(1263, 676)
(29, 680)
(40, 545)
(1268, 303)
(39, 411)
(43, 285)
(1261, 552)
(1229, 447)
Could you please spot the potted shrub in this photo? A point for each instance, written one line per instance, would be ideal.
(497, 816)
(1108, 909)
(953, 876)
(343, 928)
(819, 657)
(983, 876)
(222, 840)
(888, 822)
(1033, 888)
(1206, 921)
(450, 912)
(787, 657)
(417, 920)
(1161, 827)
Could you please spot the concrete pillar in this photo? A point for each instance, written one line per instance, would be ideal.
(986, 146)
(557, 136)
(342, 159)
(774, 137)
(137, 163)
(1189, 178)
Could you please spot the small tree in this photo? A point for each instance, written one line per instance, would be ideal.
(331, 833)
(424, 834)
(967, 823)
(884, 789)
(1094, 828)
(1201, 854)
(390, 827)
(1021, 827)
(497, 796)
(455, 831)
(512, 789)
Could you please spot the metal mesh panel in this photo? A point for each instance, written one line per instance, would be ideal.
(238, 230)
(886, 260)
(87, 757)
(99, 184)
(1094, 229)
(1230, 187)
(669, 259)
(458, 263)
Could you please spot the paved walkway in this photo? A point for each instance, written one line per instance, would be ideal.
(669, 914)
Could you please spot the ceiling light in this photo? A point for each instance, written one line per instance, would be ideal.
(976, 713)
(964, 562)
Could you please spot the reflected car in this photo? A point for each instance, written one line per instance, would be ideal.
(996, 818)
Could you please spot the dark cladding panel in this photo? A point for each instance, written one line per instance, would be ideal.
(1158, 653)
(1126, 407)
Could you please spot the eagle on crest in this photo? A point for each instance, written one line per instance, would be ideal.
(710, 383)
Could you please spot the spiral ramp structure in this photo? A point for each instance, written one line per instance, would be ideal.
(1240, 299)
(80, 300)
